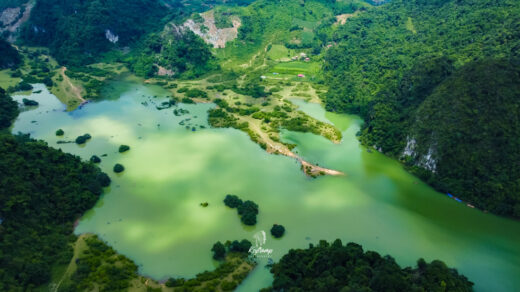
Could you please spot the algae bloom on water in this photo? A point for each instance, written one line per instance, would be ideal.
(123, 148)
(118, 168)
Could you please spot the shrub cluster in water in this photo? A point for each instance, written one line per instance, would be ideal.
(123, 148)
(60, 132)
(82, 139)
(118, 168)
(95, 159)
(277, 230)
(29, 102)
(247, 210)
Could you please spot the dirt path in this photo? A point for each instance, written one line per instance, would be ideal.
(75, 90)
(72, 264)
(275, 147)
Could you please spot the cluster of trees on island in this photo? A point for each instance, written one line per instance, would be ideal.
(246, 210)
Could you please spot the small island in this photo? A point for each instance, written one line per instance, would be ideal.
(247, 210)
(123, 148)
(118, 168)
(277, 230)
(83, 139)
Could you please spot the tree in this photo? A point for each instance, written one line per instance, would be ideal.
(118, 168)
(60, 132)
(29, 102)
(8, 109)
(277, 230)
(232, 201)
(95, 159)
(219, 251)
(123, 148)
(82, 139)
(337, 267)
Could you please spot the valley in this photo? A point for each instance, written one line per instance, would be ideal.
(333, 117)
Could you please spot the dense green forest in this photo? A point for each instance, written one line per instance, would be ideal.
(100, 266)
(182, 53)
(338, 267)
(437, 84)
(79, 31)
(8, 110)
(10, 58)
(42, 192)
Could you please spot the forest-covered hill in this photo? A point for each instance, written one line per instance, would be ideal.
(338, 267)
(437, 84)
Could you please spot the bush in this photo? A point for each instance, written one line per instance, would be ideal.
(95, 159)
(247, 210)
(60, 132)
(228, 285)
(171, 282)
(232, 201)
(123, 148)
(219, 251)
(118, 168)
(103, 179)
(248, 219)
(24, 86)
(187, 100)
(8, 109)
(277, 230)
(29, 102)
(194, 92)
(243, 246)
(82, 139)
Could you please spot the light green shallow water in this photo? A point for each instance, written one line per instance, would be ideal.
(152, 215)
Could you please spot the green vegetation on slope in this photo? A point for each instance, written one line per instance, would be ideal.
(42, 192)
(437, 84)
(8, 110)
(336, 267)
(77, 31)
(99, 266)
(9, 58)
(375, 49)
(177, 52)
(470, 125)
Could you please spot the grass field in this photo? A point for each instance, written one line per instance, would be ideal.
(305, 24)
(297, 67)
(6, 80)
(307, 37)
(278, 52)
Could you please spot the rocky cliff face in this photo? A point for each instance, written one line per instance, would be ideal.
(208, 31)
(12, 18)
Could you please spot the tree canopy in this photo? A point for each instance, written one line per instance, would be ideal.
(338, 267)
(42, 192)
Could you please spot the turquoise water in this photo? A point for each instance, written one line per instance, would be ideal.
(152, 212)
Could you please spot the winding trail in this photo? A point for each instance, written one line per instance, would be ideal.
(275, 147)
(75, 90)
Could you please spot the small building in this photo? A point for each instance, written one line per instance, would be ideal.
(301, 75)
(307, 59)
(263, 77)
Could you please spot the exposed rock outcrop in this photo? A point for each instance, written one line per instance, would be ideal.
(218, 37)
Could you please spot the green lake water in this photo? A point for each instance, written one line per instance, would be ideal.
(152, 213)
